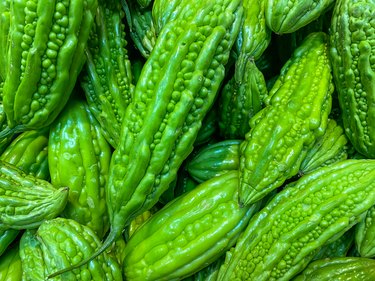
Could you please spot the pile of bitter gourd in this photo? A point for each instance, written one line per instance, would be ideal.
(187, 140)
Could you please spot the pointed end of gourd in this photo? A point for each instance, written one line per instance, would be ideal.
(111, 238)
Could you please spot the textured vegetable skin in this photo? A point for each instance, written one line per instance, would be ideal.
(287, 16)
(107, 79)
(26, 201)
(365, 235)
(4, 31)
(189, 233)
(285, 235)
(10, 265)
(352, 36)
(61, 242)
(331, 147)
(296, 113)
(241, 98)
(76, 144)
(29, 152)
(49, 38)
(214, 159)
(340, 269)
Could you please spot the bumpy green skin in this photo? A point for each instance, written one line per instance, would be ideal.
(340, 269)
(4, 31)
(141, 25)
(10, 265)
(254, 35)
(59, 243)
(76, 144)
(208, 129)
(26, 201)
(189, 233)
(4, 141)
(296, 114)
(214, 160)
(49, 38)
(317, 209)
(138, 221)
(163, 11)
(33, 265)
(107, 80)
(29, 152)
(337, 248)
(177, 87)
(352, 53)
(327, 149)
(365, 235)
(241, 98)
(287, 16)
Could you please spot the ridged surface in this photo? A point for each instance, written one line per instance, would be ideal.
(296, 113)
(107, 80)
(4, 31)
(241, 98)
(327, 149)
(365, 235)
(285, 235)
(60, 242)
(189, 233)
(340, 269)
(25, 201)
(287, 16)
(214, 159)
(77, 145)
(177, 87)
(49, 39)
(352, 53)
(29, 152)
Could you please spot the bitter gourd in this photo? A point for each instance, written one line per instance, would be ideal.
(286, 16)
(352, 52)
(214, 160)
(141, 27)
(10, 265)
(60, 242)
(340, 269)
(327, 149)
(76, 145)
(48, 39)
(177, 87)
(107, 80)
(365, 235)
(285, 235)
(4, 31)
(189, 233)
(296, 113)
(26, 201)
(28, 151)
(241, 98)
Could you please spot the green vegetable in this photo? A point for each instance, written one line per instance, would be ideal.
(214, 159)
(286, 234)
(327, 149)
(285, 16)
(4, 31)
(189, 233)
(365, 235)
(352, 41)
(29, 152)
(76, 145)
(241, 98)
(59, 243)
(107, 80)
(10, 265)
(26, 201)
(296, 114)
(141, 25)
(340, 269)
(48, 39)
